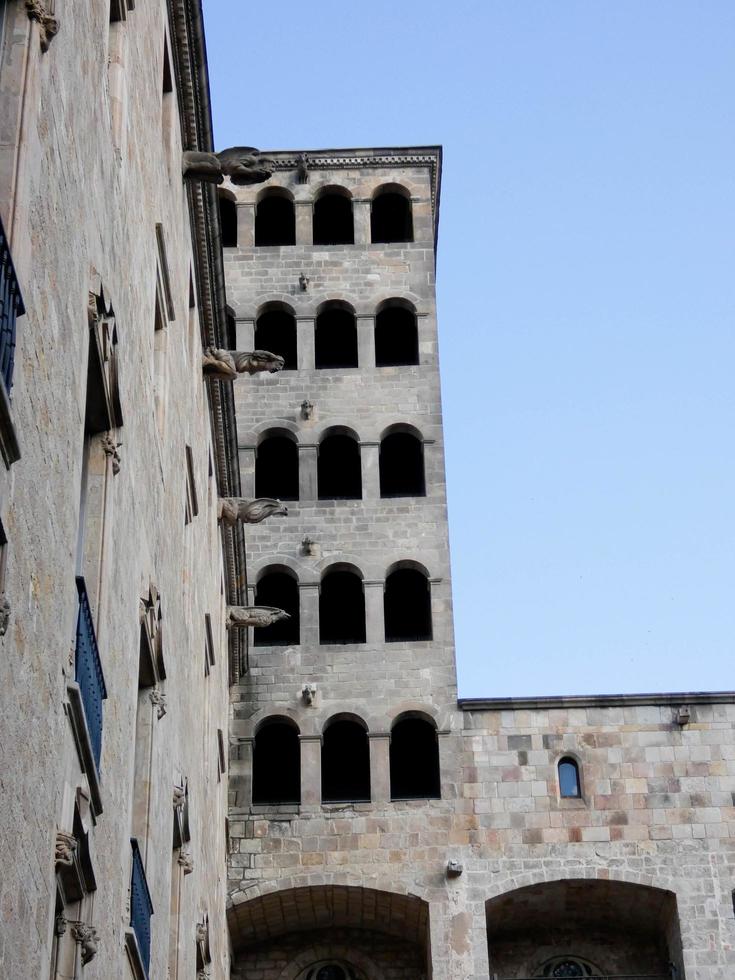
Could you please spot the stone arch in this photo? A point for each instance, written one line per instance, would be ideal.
(301, 571)
(259, 718)
(341, 426)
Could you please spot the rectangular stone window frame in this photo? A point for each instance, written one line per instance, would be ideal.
(192, 499)
(209, 656)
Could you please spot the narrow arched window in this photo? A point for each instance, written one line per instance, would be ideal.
(335, 339)
(345, 763)
(341, 608)
(228, 220)
(278, 588)
(401, 466)
(277, 468)
(333, 222)
(414, 760)
(396, 336)
(569, 782)
(275, 221)
(339, 470)
(277, 763)
(391, 219)
(407, 605)
(275, 330)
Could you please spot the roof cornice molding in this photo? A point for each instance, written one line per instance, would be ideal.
(597, 701)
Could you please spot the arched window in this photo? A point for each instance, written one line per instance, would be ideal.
(275, 221)
(341, 607)
(567, 966)
(278, 587)
(339, 471)
(345, 762)
(407, 605)
(401, 466)
(396, 335)
(227, 220)
(414, 760)
(569, 782)
(277, 763)
(391, 219)
(277, 467)
(335, 340)
(275, 330)
(333, 223)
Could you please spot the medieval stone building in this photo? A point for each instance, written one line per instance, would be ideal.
(183, 795)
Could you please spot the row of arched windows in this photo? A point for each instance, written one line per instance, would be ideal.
(335, 334)
(345, 761)
(391, 217)
(339, 469)
(406, 606)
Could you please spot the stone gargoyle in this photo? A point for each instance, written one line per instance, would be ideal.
(227, 364)
(257, 616)
(242, 164)
(233, 509)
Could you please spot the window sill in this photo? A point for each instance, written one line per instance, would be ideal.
(8, 437)
(75, 711)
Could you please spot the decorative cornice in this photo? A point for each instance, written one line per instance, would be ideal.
(596, 701)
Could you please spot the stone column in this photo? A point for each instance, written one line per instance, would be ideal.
(241, 773)
(311, 770)
(370, 459)
(309, 611)
(361, 212)
(304, 228)
(307, 472)
(305, 342)
(245, 224)
(458, 935)
(374, 616)
(247, 470)
(379, 766)
(366, 341)
(245, 333)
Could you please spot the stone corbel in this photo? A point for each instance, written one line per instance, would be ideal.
(87, 938)
(179, 797)
(38, 11)
(65, 848)
(158, 698)
(4, 614)
(185, 860)
(112, 449)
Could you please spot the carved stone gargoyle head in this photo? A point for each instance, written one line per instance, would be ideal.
(244, 165)
(258, 616)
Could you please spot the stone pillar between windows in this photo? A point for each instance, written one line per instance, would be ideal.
(308, 472)
(361, 212)
(311, 770)
(374, 615)
(245, 224)
(370, 459)
(458, 939)
(246, 455)
(379, 766)
(309, 612)
(366, 341)
(304, 223)
(245, 333)
(305, 342)
(241, 773)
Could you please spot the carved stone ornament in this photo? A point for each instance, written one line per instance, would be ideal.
(87, 938)
(227, 364)
(158, 698)
(307, 409)
(38, 11)
(258, 616)
(202, 975)
(302, 168)
(179, 797)
(309, 548)
(65, 848)
(4, 614)
(304, 283)
(185, 861)
(112, 449)
(233, 509)
(242, 164)
(202, 932)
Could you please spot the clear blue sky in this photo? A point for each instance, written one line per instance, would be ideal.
(586, 288)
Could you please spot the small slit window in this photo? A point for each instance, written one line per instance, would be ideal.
(275, 220)
(277, 764)
(345, 763)
(569, 782)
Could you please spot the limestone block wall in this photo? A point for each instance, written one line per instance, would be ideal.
(81, 209)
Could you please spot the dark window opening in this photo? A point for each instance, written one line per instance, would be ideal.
(407, 606)
(275, 221)
(396, 337)
(569, 785)
(339, 474)
(390, 218)
(402, 466)
(341, 609)
(281, 590)
(277, 469)
(276, 331)
(231, 328)
(414, 761)
(335, 341)
(228, 221)
(333, 224)
(276, 765)
(345, 763)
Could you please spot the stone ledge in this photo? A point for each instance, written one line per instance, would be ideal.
(596, 701)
